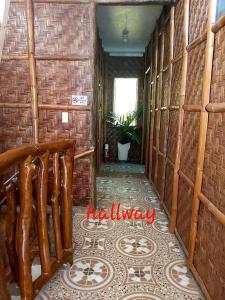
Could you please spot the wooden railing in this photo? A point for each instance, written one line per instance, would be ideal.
(40, 189)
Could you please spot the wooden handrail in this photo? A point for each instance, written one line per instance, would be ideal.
(15, 156)
(36, 165)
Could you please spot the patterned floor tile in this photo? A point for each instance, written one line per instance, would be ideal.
(123, 259)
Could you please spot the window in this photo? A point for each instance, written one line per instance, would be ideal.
(2, 10)
(220, 9)
(125, 95)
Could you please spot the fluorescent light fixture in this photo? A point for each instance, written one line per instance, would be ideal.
(125, 35)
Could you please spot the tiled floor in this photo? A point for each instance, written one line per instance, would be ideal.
(125, 259)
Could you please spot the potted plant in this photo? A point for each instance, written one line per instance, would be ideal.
(129, 131)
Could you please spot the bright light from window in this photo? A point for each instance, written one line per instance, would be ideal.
(2, 10)
(125, 95)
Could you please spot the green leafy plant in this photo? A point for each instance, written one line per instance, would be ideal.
(129, 132)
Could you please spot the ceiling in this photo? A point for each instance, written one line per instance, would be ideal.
(139, 20)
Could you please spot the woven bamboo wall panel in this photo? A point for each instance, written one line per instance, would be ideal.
(59, 80)
(125, 66)
(163, 127)
(15, 128)
(51, 128)
(184, 209)
(196, 63)
(165, 88)
(15, 82)
(172, 135)
(210, 252)
(190, 138)
(213, 186)
(178, 27)
(82, 182)
(16, 31)
(168, 187)
(176, 83)
(166, 57)
(62, 29)
(197, 18)
(218, 75)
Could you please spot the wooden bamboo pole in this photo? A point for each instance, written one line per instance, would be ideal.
(32, 65)
(216, 107)
(153, 103)
(171, 37)
(213, 209)
(192, 107)
(159, 104)
(180, 119)
(203, 128)
(149, 86)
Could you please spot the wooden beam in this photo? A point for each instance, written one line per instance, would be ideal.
(203, 128)
(180, 118)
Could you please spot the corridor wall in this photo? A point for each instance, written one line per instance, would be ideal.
(48, 56)
(186, 129)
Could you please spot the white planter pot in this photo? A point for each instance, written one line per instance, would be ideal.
(123, 151)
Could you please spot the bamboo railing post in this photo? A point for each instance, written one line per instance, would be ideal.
(203, 127)
(67, 186)
(42, 192)
(153, 104)
(180, 119)
(32, 65)
(11, 230)
(27, 169)
(4, 295)
(171, 37)
(55, 207)
(159, 105)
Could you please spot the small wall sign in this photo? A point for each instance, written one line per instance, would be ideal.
(79, 100)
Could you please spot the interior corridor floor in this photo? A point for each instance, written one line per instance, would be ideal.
(124, 260)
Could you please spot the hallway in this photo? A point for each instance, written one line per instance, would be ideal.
(127, 260)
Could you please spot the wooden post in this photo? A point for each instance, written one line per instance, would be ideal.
(32, 65)
(42, 194)
(169, 97)
(153, 104)
(11, 231)
(159, 104)
(67, 186)
(55, 207)
(27, 169)
(203, 128)
(181, 117)
(4, 295)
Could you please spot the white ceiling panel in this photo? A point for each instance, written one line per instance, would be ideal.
(140, 21)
